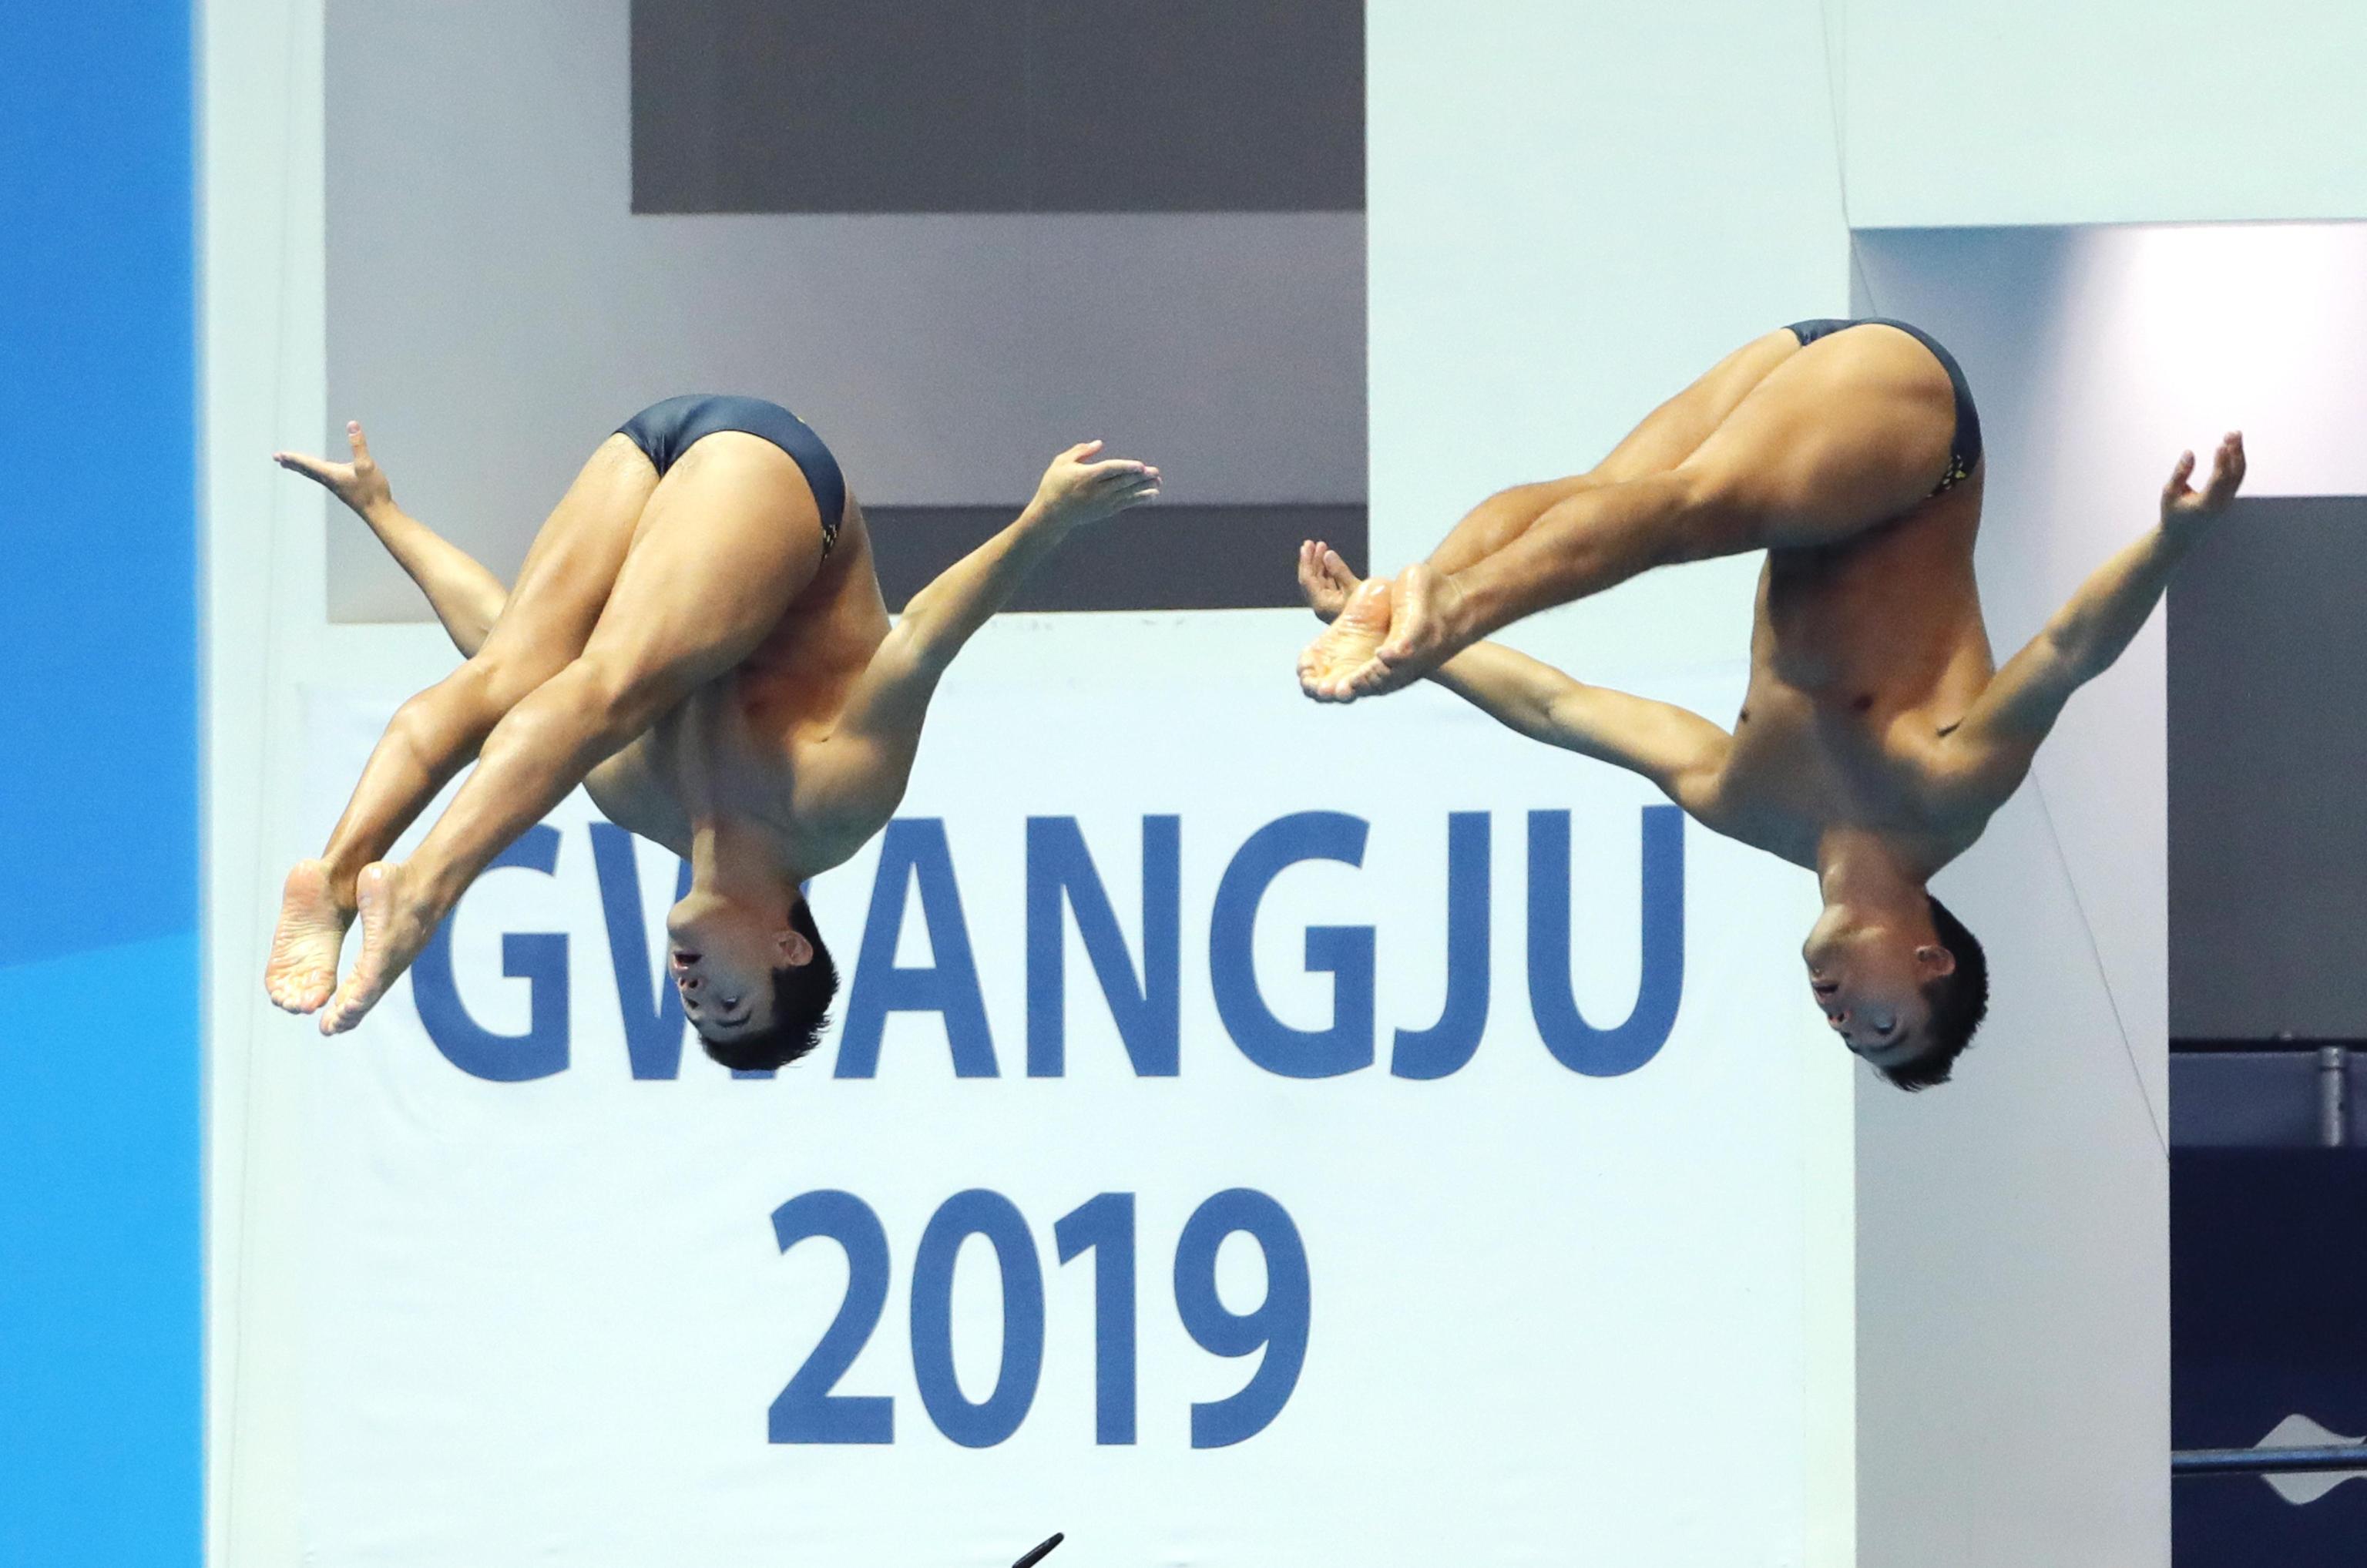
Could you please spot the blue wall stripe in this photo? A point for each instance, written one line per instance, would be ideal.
(101, 1404)
(100, 1336)
(97, 478)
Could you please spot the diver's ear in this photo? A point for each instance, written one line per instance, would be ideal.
(1935, 961)
(796, 951)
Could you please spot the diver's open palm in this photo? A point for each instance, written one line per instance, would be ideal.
(2183, 505)
(361, 484)
(1325, 579)
(1076, 490)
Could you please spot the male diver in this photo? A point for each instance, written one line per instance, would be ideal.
(698, 637)
(1878, 735)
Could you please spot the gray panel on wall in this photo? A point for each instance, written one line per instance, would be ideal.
(2268, 743)
(1167, 557)
(986, 106)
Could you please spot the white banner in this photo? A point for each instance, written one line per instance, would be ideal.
(1253, 1134)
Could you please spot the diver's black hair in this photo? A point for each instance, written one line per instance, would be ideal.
(801, 998)
(1959, 1002)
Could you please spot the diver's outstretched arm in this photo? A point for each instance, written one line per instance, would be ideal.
(466, 597)
(1984, 760)
(889, 703)
(1074, 491)
(1677, 749)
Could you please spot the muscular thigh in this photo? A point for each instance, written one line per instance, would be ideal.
(571, 566)
(1667, 435)
(1848, 433)
(1672, 433)
(730, 537)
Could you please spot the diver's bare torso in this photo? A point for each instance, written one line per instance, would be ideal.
(755, 740)
(1878, 736)
(1865, 656)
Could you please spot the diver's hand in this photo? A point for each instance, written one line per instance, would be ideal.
(361, 484)
(2185, 509)
(1076, 490)
(1324, 579)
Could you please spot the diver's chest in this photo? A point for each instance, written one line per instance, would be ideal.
(1874, 620)
(1833, 648)
(1775, 770)
(710, 744)
(1802, 768)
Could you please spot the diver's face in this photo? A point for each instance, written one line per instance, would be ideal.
(722, 957)
(1869, 985)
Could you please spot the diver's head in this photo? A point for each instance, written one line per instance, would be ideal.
(1904, 987)
(755, 980)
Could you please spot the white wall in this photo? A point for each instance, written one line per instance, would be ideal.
(1573, 214)
(2020, 1215)
(2013, 1239)
(2105, 111)
(1574, 211)
(261, 343)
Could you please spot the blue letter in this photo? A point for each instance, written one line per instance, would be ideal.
(916, 848)
(1447, 1044)
(1277, 1325)
(1345, 953)
(1575, 1043)
(1105, 1227)
(1147, 1016)
(652, 1013)
(989, 1214)
(539, 959)
(806, 1411)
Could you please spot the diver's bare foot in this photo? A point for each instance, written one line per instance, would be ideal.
(1427, 627)
(1348, 645)
(302, 969)
(394, 929)
(1325, 580)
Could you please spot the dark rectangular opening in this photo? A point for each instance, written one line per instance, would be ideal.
(986, 106)
(2267, 732)
(1168, 557)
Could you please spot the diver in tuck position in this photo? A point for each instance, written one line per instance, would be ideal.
(1878, 736)
(697, 637)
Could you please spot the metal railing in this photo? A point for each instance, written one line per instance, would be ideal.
(2333, 1073)
(2270, 1461)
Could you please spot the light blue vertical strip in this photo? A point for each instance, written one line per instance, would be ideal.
(100, 1298)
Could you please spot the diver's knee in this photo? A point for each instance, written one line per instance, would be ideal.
(498, 681)
(1716, 510)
